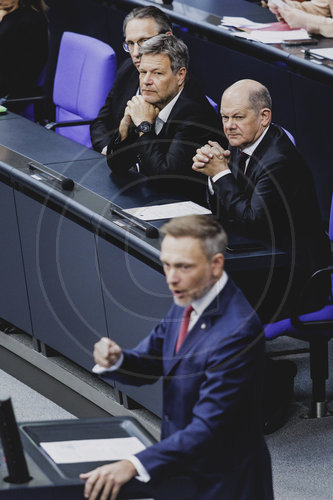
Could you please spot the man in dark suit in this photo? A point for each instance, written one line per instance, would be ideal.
(139, 25)
(211, 425)
(163, 124)
(268, 194)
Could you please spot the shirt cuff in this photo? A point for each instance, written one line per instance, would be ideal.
(98, 369)
(143, 475)
(215, 178)
(221, 174)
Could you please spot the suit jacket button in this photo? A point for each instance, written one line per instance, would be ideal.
(203, 326)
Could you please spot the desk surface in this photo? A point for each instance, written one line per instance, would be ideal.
(89, 170)
(207, 17)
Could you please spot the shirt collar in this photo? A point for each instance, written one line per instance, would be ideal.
(164, 114)
(249, 150)
(201, 304)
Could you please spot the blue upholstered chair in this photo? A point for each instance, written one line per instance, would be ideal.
(317, 329)
(85, 72)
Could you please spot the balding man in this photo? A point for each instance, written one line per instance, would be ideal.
(263, 188)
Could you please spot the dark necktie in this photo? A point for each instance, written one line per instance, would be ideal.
(242, 161)
(183, 327)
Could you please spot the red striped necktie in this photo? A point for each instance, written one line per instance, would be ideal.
(184, 327)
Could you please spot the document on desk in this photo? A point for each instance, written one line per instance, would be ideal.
(92, 450)
(242, 22)
(168, 210)
(322, 53)
(274, 36)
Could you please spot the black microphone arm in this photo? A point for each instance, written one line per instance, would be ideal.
(66, 183)
(150, 231)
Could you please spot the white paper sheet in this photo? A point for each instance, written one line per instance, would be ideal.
(168, 210)
(324, 53)
(92, 450)
(277, 36)
(242, 22)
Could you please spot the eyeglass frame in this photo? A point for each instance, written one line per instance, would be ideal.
(139, 43)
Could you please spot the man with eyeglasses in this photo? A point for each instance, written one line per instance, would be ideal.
(139, 25)
(163, 125)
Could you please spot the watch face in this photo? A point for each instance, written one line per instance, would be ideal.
(144, 127)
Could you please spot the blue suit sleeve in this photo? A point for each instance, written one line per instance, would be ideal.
(227, 381)
(144, 364)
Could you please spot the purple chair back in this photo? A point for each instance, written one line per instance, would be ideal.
(330, 229)
(212, 103)
(85, 72)
(290, 135)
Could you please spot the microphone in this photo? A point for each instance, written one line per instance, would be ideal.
(66, 183)
(12, 445)
(150, 231)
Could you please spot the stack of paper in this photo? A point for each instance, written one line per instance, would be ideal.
(278, 36)
(265, 33)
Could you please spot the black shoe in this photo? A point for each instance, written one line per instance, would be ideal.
(278, 393)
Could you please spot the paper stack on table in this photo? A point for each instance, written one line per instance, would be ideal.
(265, 33)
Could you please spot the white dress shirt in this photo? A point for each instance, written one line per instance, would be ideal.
(164, 114)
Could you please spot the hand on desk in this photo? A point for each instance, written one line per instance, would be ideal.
(106, 352)
(105, 481)
(211, 159)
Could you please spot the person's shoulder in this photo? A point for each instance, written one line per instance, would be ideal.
(237, 318)
(127, 75)
(193, 102)
(277, 143)
(127, 68)
(29, 13)
(233, 303)
(29, 16)
(193, 91)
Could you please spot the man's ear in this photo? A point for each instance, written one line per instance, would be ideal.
(217, 264)
(181, 74)
(266, 115)
(169, 33)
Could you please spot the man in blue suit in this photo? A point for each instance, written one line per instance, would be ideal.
(212, 376)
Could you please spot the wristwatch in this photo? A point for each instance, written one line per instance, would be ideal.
(143, 127)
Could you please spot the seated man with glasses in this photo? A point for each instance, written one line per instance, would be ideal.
(139, 25)
(164, 124)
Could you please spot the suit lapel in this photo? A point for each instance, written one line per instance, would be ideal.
(233, 161)
(256, 158)
(199, 331)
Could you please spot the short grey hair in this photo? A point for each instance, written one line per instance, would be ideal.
(260, 98)
(207, 230)
(170, 46)
(162, 21)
